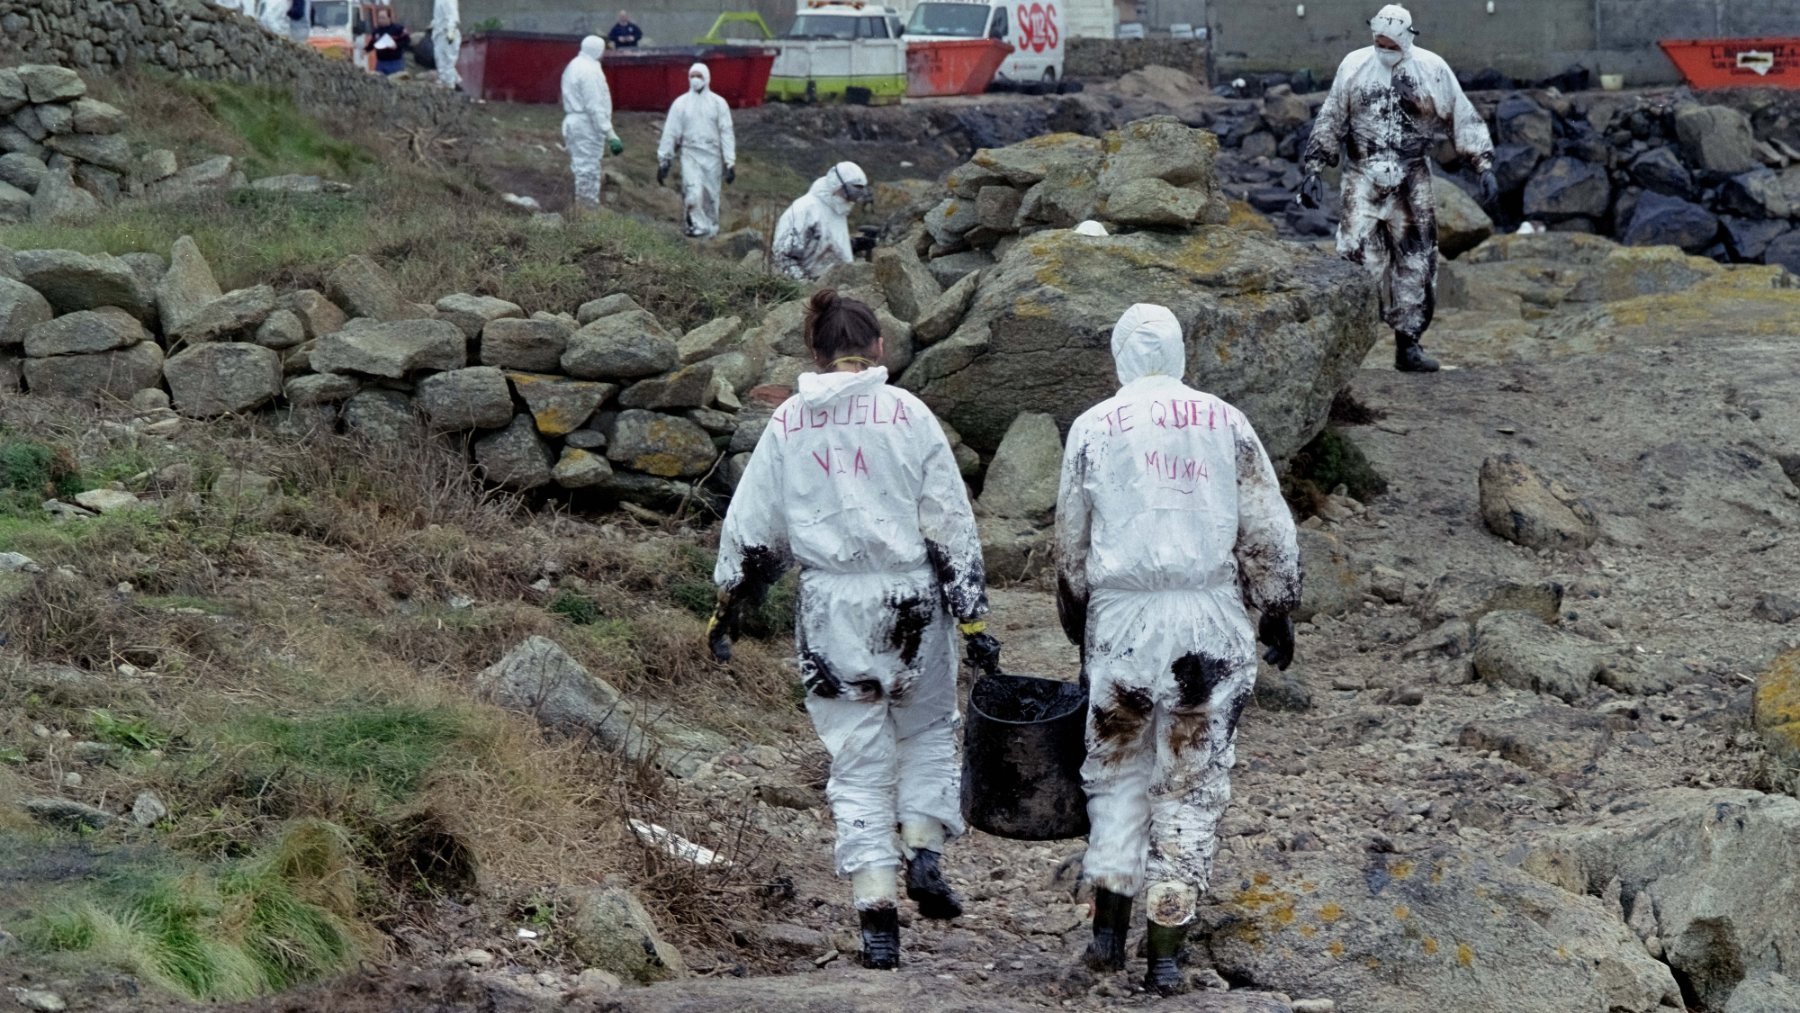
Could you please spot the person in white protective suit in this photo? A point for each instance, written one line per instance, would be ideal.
(699, 127)
(813, 234)
(587, 126)
(1385, 106)
(1169, 522)
(854, 482)
(446, 40)
(274, 15)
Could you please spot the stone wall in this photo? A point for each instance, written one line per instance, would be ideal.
(195, 39)
(1093, 59)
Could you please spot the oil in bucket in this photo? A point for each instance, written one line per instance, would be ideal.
(1023, 746)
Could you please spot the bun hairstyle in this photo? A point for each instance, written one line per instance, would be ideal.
(837, 327)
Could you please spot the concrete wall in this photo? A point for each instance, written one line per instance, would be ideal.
(1525, 38)
(199, 40)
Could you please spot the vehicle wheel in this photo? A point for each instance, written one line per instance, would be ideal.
(1050, 76)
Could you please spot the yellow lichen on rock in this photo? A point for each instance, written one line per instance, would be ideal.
(1776, 707)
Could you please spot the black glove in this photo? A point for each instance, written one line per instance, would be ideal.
(860, 245)
(1490, 188)
(1072, 612)
(1276, 632)
(662, 173)
(982, 651)
(1312, 191)
(730, 174)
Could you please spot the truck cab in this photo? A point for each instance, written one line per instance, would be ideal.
(1034, 29)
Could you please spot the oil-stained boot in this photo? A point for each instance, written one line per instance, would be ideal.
(926, 885)
(1112, 921)
(1163, 945)
(880, 938)
(1410, 357)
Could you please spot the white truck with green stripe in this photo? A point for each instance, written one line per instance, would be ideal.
(837, 46)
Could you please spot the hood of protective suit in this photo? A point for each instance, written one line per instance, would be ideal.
(1090, 228)
(593, 47)
(820, 389)
(1394, 22)
(1147, 342)
(704, 74)
(827, 187)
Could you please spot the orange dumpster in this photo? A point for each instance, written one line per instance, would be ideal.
(1736, 63)
(953, 66)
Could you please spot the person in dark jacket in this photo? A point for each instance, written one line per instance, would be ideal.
(389, 42)
(625, 35)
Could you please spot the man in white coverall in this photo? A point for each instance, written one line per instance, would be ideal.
(854, 482)
(587, 120)
(1169, 522)
(1386, 104)
(813, 234)
(446, 40)
(699, 126)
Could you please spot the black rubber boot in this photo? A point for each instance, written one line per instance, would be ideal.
(880, 938)
(1112, 922)
(1409, 357)
(926, 885)
(1163, 944)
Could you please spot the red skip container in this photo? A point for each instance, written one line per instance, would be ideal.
(1736, 63)
(527, 67)
(953, 67)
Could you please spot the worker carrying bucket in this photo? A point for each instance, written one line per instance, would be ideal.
(1169, 523)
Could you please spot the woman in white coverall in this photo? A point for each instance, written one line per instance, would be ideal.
(1169, 522)
(699, 126)
(587, 120)
(1386, 105)
(813, 234)
(854, 482)
(446, 40)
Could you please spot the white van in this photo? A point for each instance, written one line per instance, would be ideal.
(1034, 27)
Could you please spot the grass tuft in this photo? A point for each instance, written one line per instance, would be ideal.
(260, 926)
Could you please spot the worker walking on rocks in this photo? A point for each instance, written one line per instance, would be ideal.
(699, 127)
(587, 127)
(1385, 106)
(813, 235)
(854, 482)
(1169, 525)
(446, 41)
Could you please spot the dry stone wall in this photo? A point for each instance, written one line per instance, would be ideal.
(196, 39)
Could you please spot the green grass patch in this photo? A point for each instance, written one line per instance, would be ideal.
(128, 732)
(281, 138)
(231, 932)
(389, 749)
(576, 608)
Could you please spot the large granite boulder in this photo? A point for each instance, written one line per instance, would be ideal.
(1272, 328)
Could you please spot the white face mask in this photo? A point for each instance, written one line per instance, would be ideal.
(1389, 57)
(696, 84)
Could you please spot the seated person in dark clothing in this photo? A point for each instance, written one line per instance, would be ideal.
(389, 42)
(624, 35)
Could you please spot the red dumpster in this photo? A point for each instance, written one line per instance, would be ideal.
(953, 66)
(1736, 63)
(527, 67)
(647, 80)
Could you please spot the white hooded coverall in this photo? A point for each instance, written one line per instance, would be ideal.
(273, 15)
(813, 234)
(1385, 107)
(446, 40)
(587, 118)
(854, 482)
(699, 125)
(1169, 521)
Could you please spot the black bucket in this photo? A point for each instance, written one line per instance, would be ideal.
(1023, 746)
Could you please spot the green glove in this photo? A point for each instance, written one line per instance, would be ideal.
(614, 145)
